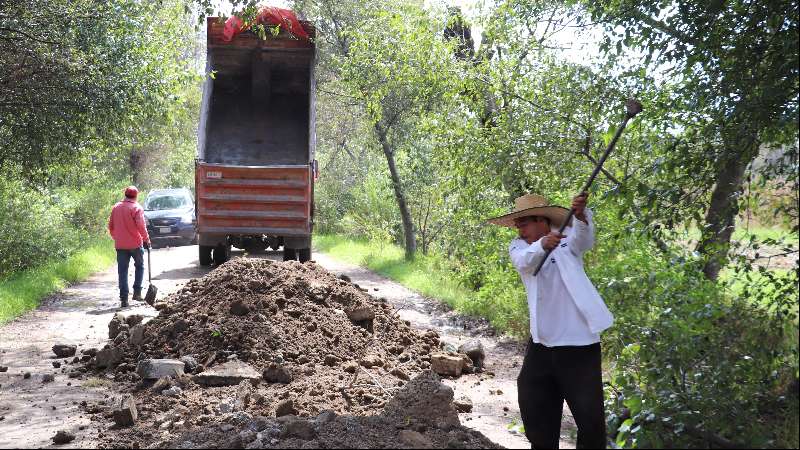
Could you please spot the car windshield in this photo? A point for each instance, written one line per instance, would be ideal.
(170, 201)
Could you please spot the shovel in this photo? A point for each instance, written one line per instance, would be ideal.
(152, 290)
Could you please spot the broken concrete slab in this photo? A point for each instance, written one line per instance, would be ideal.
(230, 373)
(153, 369)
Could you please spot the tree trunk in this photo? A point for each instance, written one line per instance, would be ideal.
(405, 215)
(723, 209)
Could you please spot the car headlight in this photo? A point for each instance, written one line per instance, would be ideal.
(188, 218)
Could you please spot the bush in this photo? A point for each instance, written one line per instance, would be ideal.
(37, 226)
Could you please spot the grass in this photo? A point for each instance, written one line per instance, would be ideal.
(23, 291)
(425, 274)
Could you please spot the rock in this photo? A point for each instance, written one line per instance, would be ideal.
(64, 350)
(134, 319)
(413, 439)
(48, 378)
(463, 404)
(474, 349)
(153, 369)
(174, 391)
(331, 360)
(239, 308)
(300, 429)
(3, 369)
(285, 408)
(136, 335)
(399, 373)
(56, 364)
(92, 351)
(114, 326)
(108, 357)
(26, 375)
(360, 313)
(125, 413)
(445, 364)
(63, 437)
(277, 374)
(189, 363)
(371, 361)
(230, 373)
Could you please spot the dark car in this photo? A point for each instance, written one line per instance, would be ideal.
(170, 216)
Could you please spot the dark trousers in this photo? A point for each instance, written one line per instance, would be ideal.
(551, 375)
(123, 261)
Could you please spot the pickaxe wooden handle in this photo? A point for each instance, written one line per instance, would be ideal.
(632, 108)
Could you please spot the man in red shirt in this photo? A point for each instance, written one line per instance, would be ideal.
(127, 227)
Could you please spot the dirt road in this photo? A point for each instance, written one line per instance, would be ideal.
(33, 410)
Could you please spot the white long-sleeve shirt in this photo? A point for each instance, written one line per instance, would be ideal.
(565, 308)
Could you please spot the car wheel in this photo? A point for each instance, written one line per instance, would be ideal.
(205, 255)
(304, 254)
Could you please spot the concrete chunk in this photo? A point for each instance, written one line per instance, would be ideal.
(445, 364)
(230, 373)
(125, 413)
(153, 369)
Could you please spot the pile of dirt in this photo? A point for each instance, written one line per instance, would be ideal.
(321, 343)
(421, 415)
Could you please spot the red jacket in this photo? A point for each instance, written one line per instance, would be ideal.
(127, 225)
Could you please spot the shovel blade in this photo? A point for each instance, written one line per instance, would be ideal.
(150, 298)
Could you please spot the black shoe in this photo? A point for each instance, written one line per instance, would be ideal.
(124, 302)
(137, 296)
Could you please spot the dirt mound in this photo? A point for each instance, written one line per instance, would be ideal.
(320, 342)
(400, 425)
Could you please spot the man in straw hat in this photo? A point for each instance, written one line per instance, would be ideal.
(562, 361)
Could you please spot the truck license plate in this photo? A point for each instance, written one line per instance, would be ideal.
(164, 230)
(213, 174)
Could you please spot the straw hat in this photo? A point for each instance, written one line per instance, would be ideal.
(532, 205)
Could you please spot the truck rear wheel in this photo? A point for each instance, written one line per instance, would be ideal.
(304, 254)
(289, 254)
(205, 254)
(222, 253)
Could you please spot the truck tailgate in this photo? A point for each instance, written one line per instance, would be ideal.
(270, 200)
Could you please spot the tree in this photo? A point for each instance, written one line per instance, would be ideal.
(736, 69)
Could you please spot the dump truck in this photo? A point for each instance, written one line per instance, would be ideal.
(255, 167)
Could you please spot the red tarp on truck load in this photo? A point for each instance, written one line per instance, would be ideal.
(268, 15)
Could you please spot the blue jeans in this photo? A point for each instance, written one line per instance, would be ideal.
(123, 260)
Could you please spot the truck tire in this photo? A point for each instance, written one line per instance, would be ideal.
(205, 254)
(304, 254)
(222, 253)
(289, 254)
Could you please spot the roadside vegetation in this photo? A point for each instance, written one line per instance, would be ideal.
(96, 96)
(696, 209)
(431, 119)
